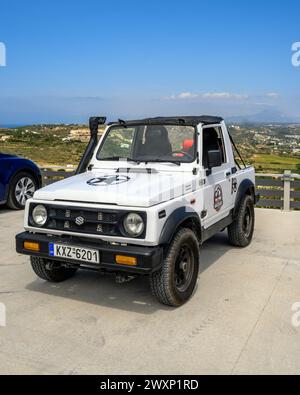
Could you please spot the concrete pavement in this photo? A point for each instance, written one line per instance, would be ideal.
(239, 320)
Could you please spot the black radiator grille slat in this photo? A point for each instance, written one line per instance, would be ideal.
(94, 221)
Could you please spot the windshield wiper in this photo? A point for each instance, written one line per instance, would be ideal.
(177, 163)
(119, 157)
(139, 161)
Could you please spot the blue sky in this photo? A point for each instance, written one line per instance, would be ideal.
(68, 60)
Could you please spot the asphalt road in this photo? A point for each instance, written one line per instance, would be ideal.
(239, 320)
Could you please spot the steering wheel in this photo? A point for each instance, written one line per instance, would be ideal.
(184, 153)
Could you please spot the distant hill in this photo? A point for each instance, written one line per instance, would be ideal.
(267, 116)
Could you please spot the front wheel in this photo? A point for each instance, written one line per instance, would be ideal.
(240, 232)
(174, 283)
(51, 271)
(22, 188)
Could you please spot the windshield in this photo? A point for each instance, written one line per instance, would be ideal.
(149, 143)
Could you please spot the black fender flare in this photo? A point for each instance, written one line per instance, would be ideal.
(246, 187)
(175, 220)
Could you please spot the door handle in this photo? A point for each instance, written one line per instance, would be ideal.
(228, 174)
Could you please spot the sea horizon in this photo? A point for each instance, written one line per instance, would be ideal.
(14, 125)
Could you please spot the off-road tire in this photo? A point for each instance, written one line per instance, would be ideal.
(237, 235)
(162, 282)
(55, 275)
(12, 201)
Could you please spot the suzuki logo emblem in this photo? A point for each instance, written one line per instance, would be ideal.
(79, 221)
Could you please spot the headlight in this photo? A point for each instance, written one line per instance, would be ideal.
(134, 225)
(39, 215)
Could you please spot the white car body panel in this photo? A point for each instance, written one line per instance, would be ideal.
(169, 187)
(154, 225)
(140, 190)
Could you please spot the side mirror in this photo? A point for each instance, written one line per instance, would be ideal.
(214, 159)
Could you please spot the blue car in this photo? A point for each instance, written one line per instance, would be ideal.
(19, 179)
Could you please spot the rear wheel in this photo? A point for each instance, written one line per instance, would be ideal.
(174, 283)
(50, 270)
(240, 232)
(22, 188)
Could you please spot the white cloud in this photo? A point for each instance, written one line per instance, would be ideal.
(208, 95)
(272, 95)
(263, 104)
(187, 95)
(224, 95)
(183, 96)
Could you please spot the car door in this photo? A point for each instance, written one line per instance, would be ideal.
(2, 180)
(218, 199)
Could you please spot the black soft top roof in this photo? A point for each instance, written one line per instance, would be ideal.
(189, 121)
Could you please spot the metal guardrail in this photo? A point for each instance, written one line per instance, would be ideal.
(280, 191)
(52, 174)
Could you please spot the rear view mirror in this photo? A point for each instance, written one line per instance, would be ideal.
(214, 159)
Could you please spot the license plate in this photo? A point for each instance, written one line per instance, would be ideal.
(74, 253)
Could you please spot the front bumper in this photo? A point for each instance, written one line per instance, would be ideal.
(149, 259)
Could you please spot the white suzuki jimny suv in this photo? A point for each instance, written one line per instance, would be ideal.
(143, 200)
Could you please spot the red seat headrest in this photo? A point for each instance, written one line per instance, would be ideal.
(187, 144)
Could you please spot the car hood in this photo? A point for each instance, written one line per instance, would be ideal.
(122, 189)
(7, 156)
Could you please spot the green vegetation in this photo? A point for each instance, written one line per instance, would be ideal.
(270, 148)
(45, 145)
(268, 163)
(49, 155)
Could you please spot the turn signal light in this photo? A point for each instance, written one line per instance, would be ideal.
(126, 260)
(30, 246)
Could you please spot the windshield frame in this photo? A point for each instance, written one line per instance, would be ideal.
(158, 161)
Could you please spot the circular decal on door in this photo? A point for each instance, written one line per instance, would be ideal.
(108, 180)
(218, 198)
